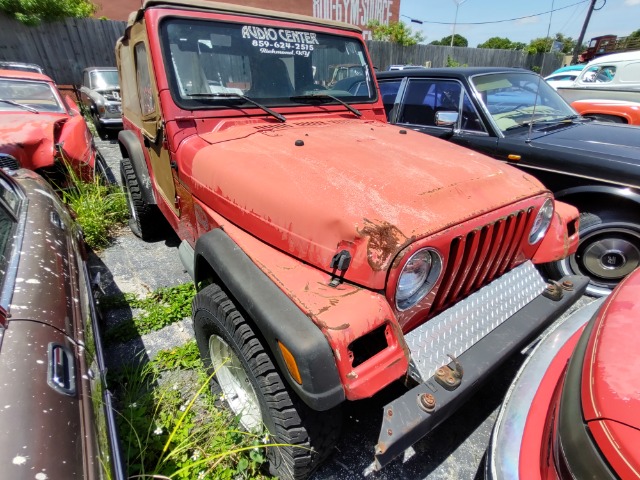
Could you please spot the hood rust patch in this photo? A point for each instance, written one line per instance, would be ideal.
(384, 240)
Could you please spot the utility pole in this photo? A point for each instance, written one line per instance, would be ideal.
(455, 20)
(576, 50)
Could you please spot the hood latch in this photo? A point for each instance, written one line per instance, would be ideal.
(340, 262)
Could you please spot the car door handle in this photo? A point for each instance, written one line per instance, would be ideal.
(61, 374)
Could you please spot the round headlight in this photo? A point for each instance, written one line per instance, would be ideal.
(541, 222)
(417, 278)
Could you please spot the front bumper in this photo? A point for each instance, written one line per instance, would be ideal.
(481, 332)
(110, 122)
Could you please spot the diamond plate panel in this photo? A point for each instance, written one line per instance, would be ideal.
(457, 329)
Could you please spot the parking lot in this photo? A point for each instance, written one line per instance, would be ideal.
(454, 450)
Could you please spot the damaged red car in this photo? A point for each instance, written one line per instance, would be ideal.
(573, 411)
(40, 130)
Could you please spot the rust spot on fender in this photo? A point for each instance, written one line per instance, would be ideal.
(352, 375)
(384, 240)
(324, 326)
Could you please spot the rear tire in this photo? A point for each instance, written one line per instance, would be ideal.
(145, 220)
(250, 381)
(608, 250)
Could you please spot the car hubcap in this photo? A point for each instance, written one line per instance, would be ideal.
(235, 384)
(607, 254)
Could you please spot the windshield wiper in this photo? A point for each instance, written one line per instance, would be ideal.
(16, 104)
(325, 96)
(214, 96)
(542, 122)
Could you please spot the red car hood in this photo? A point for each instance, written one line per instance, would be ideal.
(29, 137)
(314, 188)
(611, 373)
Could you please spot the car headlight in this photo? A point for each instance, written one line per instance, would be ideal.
(418, 277)
(542, 222)
(112, 108)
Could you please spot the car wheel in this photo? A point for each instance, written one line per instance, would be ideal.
(608, 250)
(100, 130)
(102, 170)
(145, 220)
(254, 390)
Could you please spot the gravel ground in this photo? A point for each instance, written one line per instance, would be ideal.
(454, 450)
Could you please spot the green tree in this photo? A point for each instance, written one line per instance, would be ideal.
(396, 32)
(635, 34)
(502, 43)
(458, 41)
(543, 44)
(32, 12)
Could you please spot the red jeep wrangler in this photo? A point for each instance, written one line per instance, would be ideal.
(334, 254)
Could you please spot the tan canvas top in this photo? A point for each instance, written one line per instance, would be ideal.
(204, 5)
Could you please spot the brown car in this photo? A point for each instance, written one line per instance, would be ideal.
(55, 410)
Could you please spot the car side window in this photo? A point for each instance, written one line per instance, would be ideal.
(9, 204)
(425, 97)
(145, 91)
(419, 103)
(470, 119)
(389, 92)
(599, 74)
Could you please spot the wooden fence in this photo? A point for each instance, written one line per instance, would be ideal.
(65, 48)
(384, 54)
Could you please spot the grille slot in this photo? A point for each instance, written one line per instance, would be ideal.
(8, 161)
(480, 256)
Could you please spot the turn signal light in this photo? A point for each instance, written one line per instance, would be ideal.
(290, 361)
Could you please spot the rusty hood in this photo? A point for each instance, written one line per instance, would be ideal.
(314, 188)
(29, 137)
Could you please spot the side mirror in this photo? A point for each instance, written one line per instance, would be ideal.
(72, 105)
(446, 119)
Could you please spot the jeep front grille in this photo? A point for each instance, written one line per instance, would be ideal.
(480, 256)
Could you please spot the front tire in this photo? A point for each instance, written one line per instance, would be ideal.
(255, 391)
(145, 220)
(608, 250)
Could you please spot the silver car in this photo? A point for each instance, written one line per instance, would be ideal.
(100, 93)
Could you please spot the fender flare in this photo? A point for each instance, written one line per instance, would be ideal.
(277, 318)
(616, 191)
(130, 145)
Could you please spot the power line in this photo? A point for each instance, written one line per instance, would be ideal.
(498, 21)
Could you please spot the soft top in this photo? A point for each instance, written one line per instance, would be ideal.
(204, 5)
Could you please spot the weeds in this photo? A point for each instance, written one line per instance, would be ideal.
(160, 308)
(166, 433)
(99, 208)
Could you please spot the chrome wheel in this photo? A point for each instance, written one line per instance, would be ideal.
(608, 251)
(235, 384)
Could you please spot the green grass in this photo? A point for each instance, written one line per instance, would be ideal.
(168, 431)
(99, 209)
(159, 308)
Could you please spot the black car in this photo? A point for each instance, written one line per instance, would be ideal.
(515, 116)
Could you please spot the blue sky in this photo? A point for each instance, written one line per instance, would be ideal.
(618, 17)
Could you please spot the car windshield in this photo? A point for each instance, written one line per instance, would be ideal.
(274, 66)
(517, 99)
(27, 95)
(104, 79)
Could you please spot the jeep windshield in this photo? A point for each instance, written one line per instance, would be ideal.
(520, 99)
(270, 65)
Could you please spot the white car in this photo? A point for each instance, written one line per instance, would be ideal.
(562, 79)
